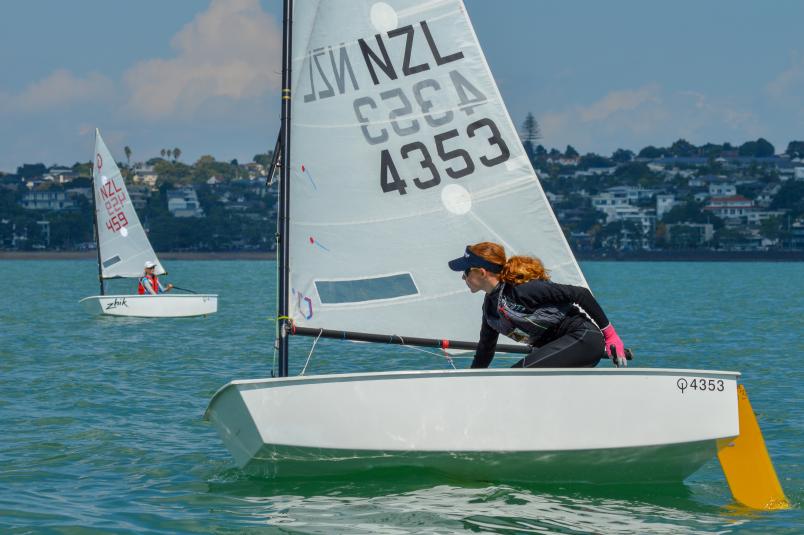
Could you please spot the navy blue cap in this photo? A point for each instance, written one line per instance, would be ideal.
(471, 260)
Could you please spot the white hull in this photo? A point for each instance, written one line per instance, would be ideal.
(596, 425)
(152, 306)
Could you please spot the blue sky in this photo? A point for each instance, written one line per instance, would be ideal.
(203, 75)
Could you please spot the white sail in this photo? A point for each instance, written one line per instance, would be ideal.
(402, 153)
(124, 247)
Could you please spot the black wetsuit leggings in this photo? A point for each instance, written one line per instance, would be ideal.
(581, 348)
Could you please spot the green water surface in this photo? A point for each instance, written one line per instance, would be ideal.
(101, 426)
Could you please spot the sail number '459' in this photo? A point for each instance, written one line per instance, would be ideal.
(463, 164)
(114, 198)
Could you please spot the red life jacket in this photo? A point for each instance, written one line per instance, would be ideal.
(154, 284)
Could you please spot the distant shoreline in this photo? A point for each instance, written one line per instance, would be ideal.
(92, 255)
(692, 256)
(585, 256)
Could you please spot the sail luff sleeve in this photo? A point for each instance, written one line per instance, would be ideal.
(284, 208)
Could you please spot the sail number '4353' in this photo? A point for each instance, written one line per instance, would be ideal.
(464, 165)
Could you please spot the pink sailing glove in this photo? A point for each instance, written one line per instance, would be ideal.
(613, 340)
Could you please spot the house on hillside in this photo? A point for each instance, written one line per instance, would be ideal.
(139, 196)
(60, 175)
(47, 199)
(664, 203)
(797, 235)
(722, 189)
(689, 235)
(145, 174)
(183, 202)
(731, 207)
(768, 193)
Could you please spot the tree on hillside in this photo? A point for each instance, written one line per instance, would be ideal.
(691, 212)
(773, 228)
(173, 172)
(621, 235)
(591, 159)
(176, 153)
(636, 173)
(651, 152)
(682, 147)
(758, 149)
(530, 133)
(263, 159)
(162, 152)
(570, 152)
(710, 150)
(83, 168)
(28, 170)
(790, 197)
(540, 151)
(765, 148)
(530, 129)
(795, 149)
(127, 150)
(622, 156)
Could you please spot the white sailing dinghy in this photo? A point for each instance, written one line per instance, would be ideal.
(123, 248)
(403, 153)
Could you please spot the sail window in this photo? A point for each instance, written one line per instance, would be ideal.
(111, 261)
(361, 290)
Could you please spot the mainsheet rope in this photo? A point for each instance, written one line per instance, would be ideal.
(310, 355)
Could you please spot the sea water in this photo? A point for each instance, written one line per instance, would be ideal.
(101, 419)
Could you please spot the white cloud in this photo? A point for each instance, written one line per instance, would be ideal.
(60, 89)
(789, 82)
(648, 115)
(634, 110)
(713, 111)
(618, 101)
(230, 51)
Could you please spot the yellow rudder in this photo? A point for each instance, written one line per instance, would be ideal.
(747, 465)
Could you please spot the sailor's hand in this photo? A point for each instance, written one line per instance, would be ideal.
(614, 346)
(169, 286)
(619, 360)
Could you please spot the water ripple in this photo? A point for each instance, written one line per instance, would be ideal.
(101, 419)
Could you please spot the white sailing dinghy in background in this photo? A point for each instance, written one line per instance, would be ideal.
(402, 154)
(123, 248)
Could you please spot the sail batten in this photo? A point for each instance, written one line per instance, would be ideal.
(403, 153)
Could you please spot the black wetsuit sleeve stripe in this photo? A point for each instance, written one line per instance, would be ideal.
(485, 346)
(588, 302)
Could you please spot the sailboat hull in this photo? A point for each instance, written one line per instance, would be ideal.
(152, 306)
(551, 425)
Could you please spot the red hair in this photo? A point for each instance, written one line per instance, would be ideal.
(517, 269)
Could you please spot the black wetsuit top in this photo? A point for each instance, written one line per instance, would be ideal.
(553, 302)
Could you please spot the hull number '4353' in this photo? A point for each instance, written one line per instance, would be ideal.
(701, 385)
(459, 160)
